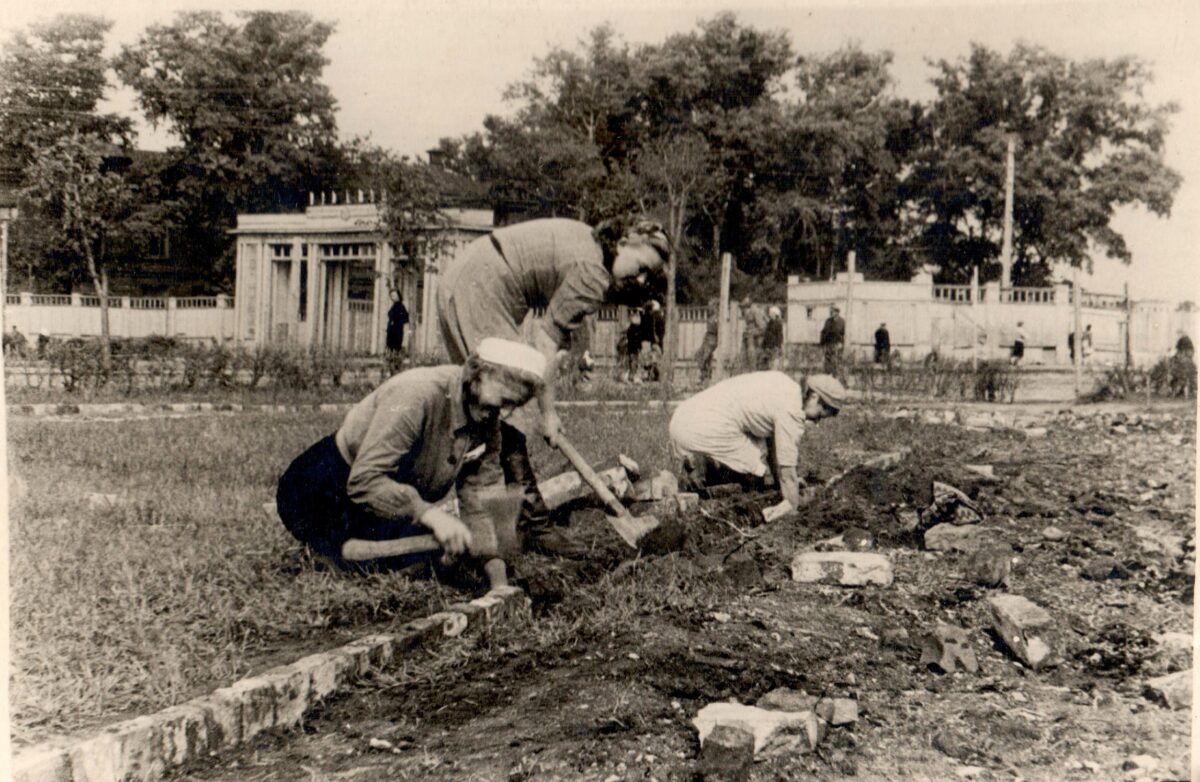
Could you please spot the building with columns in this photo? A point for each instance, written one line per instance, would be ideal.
(320, 278)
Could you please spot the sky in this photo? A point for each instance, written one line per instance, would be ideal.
(407, 73)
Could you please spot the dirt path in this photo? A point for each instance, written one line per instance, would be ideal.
(603, 681)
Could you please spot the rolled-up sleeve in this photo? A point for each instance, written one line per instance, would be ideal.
(789, 426)
(393, 435)
(580, 294)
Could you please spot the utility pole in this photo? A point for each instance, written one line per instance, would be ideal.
(851, 258)
(1006, 251)
(974, 317)
(1077, 295)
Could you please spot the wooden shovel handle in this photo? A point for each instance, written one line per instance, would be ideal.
(589, 475)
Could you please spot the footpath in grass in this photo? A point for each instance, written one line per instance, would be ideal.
(604, 681)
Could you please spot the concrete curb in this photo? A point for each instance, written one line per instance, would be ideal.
(145, 748)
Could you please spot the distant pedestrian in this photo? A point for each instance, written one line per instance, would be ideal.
(633, 348)
(1085, 344)
(754, 325)
(773, 340)
(833, 336)
(883, 345)
(1018, 347)
(1071, 345)
(397, 319)
(15, 343)
(708, 347)
(1183, 345)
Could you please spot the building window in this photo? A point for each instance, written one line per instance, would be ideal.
(158, 246)
(281, 251)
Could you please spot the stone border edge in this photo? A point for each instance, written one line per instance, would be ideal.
(89, 409)
(145, 748)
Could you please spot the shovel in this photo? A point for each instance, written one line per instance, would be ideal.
(492, 537)
(630, 528)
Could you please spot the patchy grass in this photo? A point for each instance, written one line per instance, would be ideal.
(186, 584)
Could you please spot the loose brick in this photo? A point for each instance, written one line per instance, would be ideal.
(222, 719)
(787, 699)
(947, 647)
(42, 763)
(330, 671)
(1173, 690)
(838, 711)
(1027, 629)
(846, 568)
(764, 724)
(955, 537)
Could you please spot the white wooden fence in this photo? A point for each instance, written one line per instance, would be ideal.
(199, 318)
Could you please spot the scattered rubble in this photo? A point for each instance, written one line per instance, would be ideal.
(1026, 629)
(1053, 534)
(846, 568)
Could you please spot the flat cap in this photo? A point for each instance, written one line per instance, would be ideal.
(827, 387)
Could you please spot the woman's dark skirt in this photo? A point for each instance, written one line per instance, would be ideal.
(313, 504)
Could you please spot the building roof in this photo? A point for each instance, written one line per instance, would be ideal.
(348, 219)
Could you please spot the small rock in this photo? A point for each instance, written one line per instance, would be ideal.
(1144, 763)
(1173, 690)
(727, 754)
(664, 485)
(969, 772)
(986, 470)
(954, 537)
(743, 571)
(858, 539)
(1026, 628)
(836, 543)
(787, 699)
(838, 711)
(687, 500)
(947, 647)
(1158, 539)
(908, 519)
(1175, 642)
(950, 505)
(846, 568)
(1035, 433)
(720, 616)
(1102, 569)
(1053, 534)
(990, 566)
(953, 745)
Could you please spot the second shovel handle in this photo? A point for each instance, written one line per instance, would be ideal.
(589, 475)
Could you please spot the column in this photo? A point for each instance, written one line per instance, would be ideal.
(381, 299)
(293, 298)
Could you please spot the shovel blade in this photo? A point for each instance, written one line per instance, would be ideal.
(501, 507)
(632, 528)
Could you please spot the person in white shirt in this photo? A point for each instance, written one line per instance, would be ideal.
(738, 430)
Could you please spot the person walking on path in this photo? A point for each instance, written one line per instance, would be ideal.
(773, 340)
(397, 319)
(744, 427)
(1018, 346)
(354, 496)
(833, 336)
(572, 270)
(883, 345)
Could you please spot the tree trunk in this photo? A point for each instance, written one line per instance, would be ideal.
(100, 282)
(676, 214)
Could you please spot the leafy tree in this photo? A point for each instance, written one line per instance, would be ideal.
(1087, 143)
(92, 206)
(255, 122)
(52, 77)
